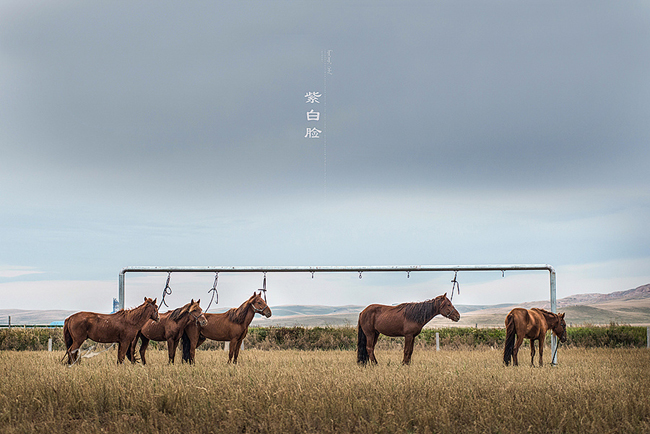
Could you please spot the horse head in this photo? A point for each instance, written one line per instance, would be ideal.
(446, 309)
(197, 313)
(151, 306)
(560, 328)
(259, 305)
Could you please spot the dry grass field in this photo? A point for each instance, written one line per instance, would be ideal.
(464, 391)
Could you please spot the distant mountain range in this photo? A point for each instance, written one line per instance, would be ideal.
(622, 307)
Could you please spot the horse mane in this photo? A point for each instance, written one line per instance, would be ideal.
(178, 313)
(547, 315)
(420, 312)
(133, 315)
(238, 314)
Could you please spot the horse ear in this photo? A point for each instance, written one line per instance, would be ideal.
(445, 295)
(562, 315)
(192, 301)
(154, 300)
(198, 301)
(145, 299)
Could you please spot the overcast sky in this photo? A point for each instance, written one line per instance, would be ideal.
(449, 132)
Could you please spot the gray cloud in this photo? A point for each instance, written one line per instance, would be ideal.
(175, 132)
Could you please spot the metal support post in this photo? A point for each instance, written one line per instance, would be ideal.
(554, 310)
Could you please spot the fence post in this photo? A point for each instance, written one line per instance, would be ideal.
(437, 341)
(648, 337)
(226, 346)
(49, 345)
(9, 321)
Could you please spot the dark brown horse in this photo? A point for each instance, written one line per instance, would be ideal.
(121, 327)
(230, 326)
(532, 324)
(406, 319)
(169, 329)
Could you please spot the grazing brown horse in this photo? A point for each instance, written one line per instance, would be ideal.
(532, 324)
(169, 328)
(229, 326)
(122, 327)
(406, 319)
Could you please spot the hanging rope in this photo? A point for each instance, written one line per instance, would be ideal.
(455, 285)
(167, 290)
(263, 289)
(88, 354)
(214, 291)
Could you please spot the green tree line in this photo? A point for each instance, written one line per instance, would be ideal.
(345, 338)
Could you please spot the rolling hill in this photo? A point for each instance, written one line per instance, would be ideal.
(622, 307)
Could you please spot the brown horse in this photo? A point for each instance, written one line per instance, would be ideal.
(229, 326)
(532, 324)
(169, 328)
(122, 327)
(406, 319)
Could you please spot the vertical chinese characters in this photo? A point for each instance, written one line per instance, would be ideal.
(312, 98)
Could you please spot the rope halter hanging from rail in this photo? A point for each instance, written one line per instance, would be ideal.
(454, 285)
(214, 291)
(167, 290)
(263, 288)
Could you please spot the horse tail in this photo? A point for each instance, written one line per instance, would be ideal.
(67, 337)
(510, 339)
(185, 342)
(362, 351)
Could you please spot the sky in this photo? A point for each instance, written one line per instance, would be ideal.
(448, 133)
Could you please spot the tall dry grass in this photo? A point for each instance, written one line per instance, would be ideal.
(592, 390)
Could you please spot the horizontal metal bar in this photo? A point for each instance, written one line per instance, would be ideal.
(330, 269)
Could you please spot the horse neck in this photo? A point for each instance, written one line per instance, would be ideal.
(550, 317)
(179, 315)
(250, 314)
(183, 320)
(423, 312)
(243, 314)
(137, 316)
(434, 310)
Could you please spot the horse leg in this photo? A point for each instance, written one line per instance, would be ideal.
(144, 343)
(408, 349)
(372, 341)
(541, 352)
(74, 352)
(189, 342)
(231, 349)
(171, 349)
(121, 350)
(532, 352)
(237, 348)
(515, 360)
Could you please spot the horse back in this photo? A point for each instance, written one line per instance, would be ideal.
(220, 328)
(387, 320)
(96, 326)
(529, 323)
